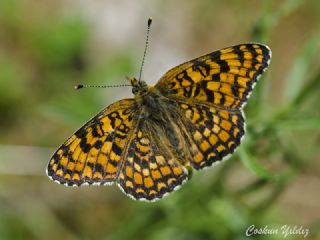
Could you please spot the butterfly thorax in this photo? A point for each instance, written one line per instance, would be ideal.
(160, 118)
(147, 100)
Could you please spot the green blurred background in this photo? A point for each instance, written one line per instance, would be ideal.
(46, 47)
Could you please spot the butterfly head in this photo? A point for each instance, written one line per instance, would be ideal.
(138, 87)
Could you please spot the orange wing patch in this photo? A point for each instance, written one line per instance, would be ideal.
(94, 153)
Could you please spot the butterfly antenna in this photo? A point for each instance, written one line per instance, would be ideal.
(146, 47)
(79, 86)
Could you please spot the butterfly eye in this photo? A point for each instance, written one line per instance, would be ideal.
(135, 90)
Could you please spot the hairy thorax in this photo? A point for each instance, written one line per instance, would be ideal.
(161, 116)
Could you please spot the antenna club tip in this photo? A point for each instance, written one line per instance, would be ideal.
(79, 86)
(149, 21)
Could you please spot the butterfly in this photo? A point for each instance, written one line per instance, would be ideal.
(148, 145)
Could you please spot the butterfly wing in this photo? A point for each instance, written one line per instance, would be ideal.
(209, 93)
(152, 168)
(211, 133)
(222, 78)
(94, 154)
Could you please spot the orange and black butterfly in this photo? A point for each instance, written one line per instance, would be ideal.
(148, 145)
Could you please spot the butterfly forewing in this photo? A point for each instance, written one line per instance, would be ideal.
(222, 78)
(94, 153)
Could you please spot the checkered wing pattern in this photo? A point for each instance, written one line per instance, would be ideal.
(93, 155)
(222, 78)
(152, 168)
(210, 92)
(213, 133)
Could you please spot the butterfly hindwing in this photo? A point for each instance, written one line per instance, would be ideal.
(212, 133)
(152, 169)
(223, 78)
(93, 155)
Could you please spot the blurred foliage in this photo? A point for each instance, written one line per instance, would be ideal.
(44, 52)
